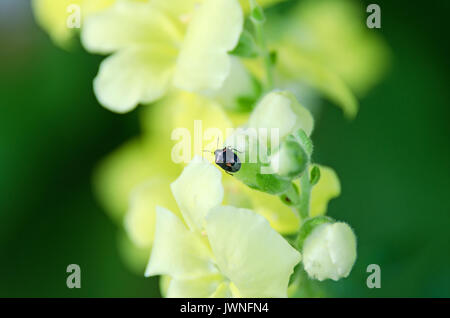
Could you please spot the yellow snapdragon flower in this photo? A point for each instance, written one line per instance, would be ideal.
(157, 45)
(334, 33)
(124, 180)
(328, 188)
(53, 16)
(325, 47)
(145, 162)
(205, 256)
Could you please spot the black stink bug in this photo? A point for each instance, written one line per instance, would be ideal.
(227, 160)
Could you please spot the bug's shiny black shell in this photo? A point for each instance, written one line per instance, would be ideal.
(227, 160)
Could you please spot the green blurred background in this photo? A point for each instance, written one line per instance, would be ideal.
(393, 162)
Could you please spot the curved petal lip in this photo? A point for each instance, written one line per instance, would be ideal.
(132, 76)
(203, 63)
(197, 190)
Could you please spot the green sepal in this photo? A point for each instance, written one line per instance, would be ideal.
(246, 46)
(290, 160)
(272, 183)
(308, 226)
(246, 103)
(314, 175)
(302, 138)
(257, 15)
(291, 196)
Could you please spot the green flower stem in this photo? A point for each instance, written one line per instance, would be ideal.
(305, 196)
(266, 59)
(291, 196)
(300, 201)
(264, 52)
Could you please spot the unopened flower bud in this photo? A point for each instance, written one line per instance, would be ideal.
(281, 110)
(329, 251)
(290, 160)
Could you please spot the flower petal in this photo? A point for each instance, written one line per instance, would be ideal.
(326, 189)
(238, 84)
(128, 24)
(177, 251)
(54, 15)
(330, 251)
(281, 217)
(250, 253)
(133, 76)
(179, 9)
(341, 43)
(342, 246)
(222, 291)
(203, 63)
(281, 110)
(299, 67)
(135, 258)
(140, 219)
(118, 174)
(200, 287)
(198, 190)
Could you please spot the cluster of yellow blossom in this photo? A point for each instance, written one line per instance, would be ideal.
(176, 58)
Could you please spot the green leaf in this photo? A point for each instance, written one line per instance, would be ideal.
(246, 46)
(314, 175)
(272, 183)
(252, 175)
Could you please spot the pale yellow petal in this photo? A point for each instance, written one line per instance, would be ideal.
(177, 251)
(181, 10)
(197, 190)
(330, 251)
(297, 66)
(281, 110)
(200, 287)
(60, 17)
(129, 24)
(52, 16)
(203, 63)
(135, 258)
(342, 41)
(133, 76)
(140, 219)
(257, 259)
(119, 173)
(237, 85)
(222, 291)
(326, 189)
(204, 121)
(281, 217)
(164, 283)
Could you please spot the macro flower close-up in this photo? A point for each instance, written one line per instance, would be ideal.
(266, 151)
(157, 44)
(204, 255)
